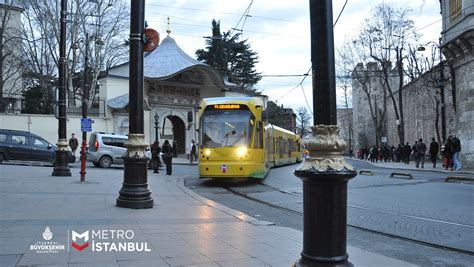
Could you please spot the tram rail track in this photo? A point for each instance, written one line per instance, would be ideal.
(295, 212)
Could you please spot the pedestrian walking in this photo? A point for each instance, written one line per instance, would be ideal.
(413, 151)
(448, 153)
(420, 151)
(167, 151)
(406, 153)
(434, 148)
(457, 151)
(73, 143)
(193, 154)
(155, 156)
(175, 149)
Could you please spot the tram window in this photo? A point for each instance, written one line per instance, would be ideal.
(258, 142)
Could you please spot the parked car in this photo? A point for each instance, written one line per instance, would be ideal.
(22, 145)
(106, 149)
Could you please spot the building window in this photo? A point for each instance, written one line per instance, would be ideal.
(455, 7)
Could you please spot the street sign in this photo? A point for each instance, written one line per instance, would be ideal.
(384, 139)
(86, 125)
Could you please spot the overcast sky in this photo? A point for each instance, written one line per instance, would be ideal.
(278, 30)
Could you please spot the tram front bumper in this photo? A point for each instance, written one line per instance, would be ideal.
(231, 170)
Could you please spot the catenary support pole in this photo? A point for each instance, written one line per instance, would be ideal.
(135, 193)
(325, 173)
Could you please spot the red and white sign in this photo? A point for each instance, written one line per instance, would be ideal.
(224, 168)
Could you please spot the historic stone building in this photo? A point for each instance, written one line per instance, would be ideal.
(457, 46)
(10, 58)
(421, 107)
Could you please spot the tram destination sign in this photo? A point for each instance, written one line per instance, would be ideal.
(227, 107)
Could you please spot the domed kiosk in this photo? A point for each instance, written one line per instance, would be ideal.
(174, 85)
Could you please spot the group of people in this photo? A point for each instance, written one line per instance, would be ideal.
(168, 152)
(450, 151)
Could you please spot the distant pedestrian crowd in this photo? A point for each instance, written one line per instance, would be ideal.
(448, 152)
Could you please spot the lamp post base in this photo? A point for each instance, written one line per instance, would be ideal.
(135, 193)
(325, 175)
(302, 262)
(61, 167)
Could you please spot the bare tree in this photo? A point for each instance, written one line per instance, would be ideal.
(387, 30)
(10, 54)
(351, 55)
(303, 118)
(98, 25)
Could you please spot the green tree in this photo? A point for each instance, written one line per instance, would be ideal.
(37, 100)
(231, 57)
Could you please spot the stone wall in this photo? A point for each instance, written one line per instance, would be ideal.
(464, 73)
(344, 121)
(420, 98)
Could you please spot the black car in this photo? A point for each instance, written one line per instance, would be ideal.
(21, 145)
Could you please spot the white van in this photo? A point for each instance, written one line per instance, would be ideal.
(106, 149)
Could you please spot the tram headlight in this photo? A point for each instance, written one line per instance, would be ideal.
(241, 151)
(207, 152)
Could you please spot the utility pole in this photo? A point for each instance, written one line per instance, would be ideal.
(441, 89)
(325, 173)
(401, 122)
(85, 97)
(61, 167)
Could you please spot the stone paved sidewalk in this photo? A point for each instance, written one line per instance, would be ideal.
(182, 229)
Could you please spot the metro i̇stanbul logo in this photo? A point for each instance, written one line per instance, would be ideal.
(107, 241)
(75, 236)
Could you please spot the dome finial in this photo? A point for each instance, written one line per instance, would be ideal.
(168, 29)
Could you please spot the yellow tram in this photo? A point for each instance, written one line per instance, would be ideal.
(236, 141)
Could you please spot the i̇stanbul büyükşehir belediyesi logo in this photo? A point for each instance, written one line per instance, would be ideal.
(107, 241)
(49, 245)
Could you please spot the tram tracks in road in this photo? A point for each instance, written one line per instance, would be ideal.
(470, 228)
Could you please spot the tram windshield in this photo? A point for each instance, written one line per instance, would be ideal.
(230, 128)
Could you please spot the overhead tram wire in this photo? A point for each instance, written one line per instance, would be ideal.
(305, 99)
(229, 13)
(244, 15)
(307, 73)
(340, 13)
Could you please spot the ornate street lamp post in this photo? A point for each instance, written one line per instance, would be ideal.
(157, 119)
(61, 167)
(325, 173)
(135, 193)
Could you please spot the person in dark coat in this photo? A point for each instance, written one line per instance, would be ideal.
(448, 153)
(420, 151)
(155, 156)
(167, 151)
(406, 153)
(193, 153)
(175, 149)
(434, 148)
(73, 143)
